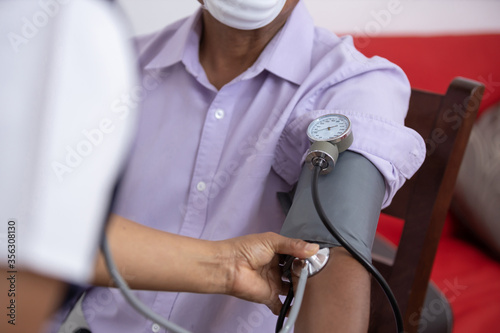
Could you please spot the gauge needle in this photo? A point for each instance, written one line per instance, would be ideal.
(327, 128)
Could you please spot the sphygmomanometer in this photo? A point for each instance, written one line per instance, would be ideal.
(351, 196)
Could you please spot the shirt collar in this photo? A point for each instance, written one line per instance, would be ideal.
(184, 41)
(288, 55)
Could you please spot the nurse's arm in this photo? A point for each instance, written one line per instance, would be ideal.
(245, 267)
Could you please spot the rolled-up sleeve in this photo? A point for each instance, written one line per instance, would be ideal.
(374, 95)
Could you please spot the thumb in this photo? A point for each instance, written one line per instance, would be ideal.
(295, 247)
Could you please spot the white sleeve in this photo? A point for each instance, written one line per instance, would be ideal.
(66, 120)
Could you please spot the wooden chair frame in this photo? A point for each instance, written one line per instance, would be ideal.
(445, 122)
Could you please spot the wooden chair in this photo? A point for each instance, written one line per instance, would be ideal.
(445, 122)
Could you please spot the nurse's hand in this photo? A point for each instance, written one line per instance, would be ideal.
(245, 267)
(253, 265)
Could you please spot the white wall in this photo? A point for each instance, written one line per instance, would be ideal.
(369, 17)
(150, 15)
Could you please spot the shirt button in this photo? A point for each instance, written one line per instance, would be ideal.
(219, 113)
(155, 328)
(201, 186)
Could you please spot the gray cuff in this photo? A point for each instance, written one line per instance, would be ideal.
(351, 195)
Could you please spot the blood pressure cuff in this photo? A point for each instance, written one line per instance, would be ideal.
(351, 196)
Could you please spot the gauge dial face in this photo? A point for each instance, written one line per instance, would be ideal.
(330, 127)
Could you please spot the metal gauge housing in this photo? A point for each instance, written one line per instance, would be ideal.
(330, 127)
(330, 135)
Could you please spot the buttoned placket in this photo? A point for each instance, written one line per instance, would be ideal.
(214, 133)
(210, 150)
(155, 328)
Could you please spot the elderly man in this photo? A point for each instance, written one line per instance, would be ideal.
(227, 97)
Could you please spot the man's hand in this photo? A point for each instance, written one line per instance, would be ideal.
(254, 272)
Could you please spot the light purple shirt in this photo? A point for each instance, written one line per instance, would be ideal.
(208, 163)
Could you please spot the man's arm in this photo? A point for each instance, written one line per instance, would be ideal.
(337, 299)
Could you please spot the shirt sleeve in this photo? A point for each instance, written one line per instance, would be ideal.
(374, 94)
(67, 135)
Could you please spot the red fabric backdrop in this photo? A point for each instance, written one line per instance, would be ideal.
(465, 273)
(432, 62)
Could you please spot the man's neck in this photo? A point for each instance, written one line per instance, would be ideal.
(225, 52)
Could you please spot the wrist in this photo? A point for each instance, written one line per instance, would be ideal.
(221, 270)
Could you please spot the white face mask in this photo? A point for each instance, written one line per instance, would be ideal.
(245, 14)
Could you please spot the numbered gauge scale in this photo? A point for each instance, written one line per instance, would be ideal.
(330, 135)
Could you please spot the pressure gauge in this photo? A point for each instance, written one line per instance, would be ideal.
(330, 135)
(331, 127)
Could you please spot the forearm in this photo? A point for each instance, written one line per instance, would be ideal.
(150, 259)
